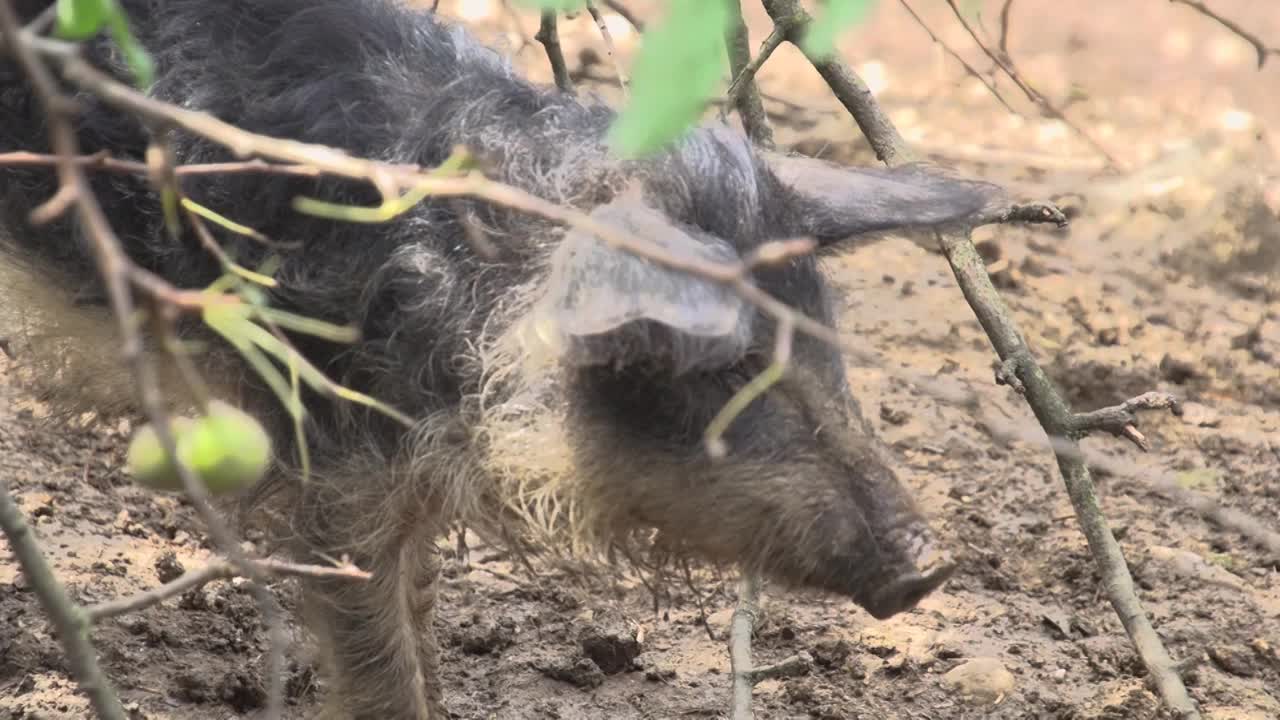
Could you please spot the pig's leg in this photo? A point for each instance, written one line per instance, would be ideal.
(377, 637)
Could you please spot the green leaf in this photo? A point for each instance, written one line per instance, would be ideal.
(820, 41)
(138, 59)
(81, 19)
(681, 60)
(390, 208)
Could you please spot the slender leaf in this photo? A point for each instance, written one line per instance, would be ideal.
(680, 62)
(838, 16)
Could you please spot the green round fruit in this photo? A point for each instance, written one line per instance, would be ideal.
(227, 449)
(147, 461)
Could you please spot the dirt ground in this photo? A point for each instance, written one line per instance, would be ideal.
(1168, 279)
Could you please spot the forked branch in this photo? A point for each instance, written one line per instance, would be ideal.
(1046, 403)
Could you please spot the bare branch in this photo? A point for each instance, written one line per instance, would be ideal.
(70, 621)
(1211, 509)
(390, 179)
(964, 63)
(792, 21)
(550, 39)
(1005, 62)
(1055, 416)
(609, 45)
(743, 94)
(1004, 26)
(799, 664)
(1259, 47)
(117, 273)
(1050, 409)
(1006, 372)
(740, 629)
(1039, 212)
(625, 12)
(218, 570)
(1122, 420)
(102, 161)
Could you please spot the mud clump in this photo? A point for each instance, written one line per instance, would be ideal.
(831, 654)
(484, 636)
(576, 670)
(610, 644)
(168, 568)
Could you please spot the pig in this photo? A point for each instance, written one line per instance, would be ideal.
(559, 388)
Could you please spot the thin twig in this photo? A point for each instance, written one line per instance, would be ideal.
(792, 666)
(1259, 46)
(745, 77)
(743, 94)
(104, 162)
(1048, 406)
(697, 599)
(390, 179)
(550, 39)
(1122, 420)
(1163, 483)
(217, 570)
(740, 629)
(625, 12)
(116, 270)
(964, 63)
(1005, 62)
(69, 619)
(1004, 26)
(609, 46)
(790, 22)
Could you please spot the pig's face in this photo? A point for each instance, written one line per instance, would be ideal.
(802, 495)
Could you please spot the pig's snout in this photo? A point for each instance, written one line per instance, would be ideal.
(904, 585)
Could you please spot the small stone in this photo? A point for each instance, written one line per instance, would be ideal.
(1178, 369)
(1235, 660)
(656, 674)
(981, 680)
(1194, 413)
(893, 416)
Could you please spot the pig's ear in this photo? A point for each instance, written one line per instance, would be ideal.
(605, 306)
(833, 203)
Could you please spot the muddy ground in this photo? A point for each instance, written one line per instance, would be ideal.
(1168, 279)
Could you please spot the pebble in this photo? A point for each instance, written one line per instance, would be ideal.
(981, 680)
